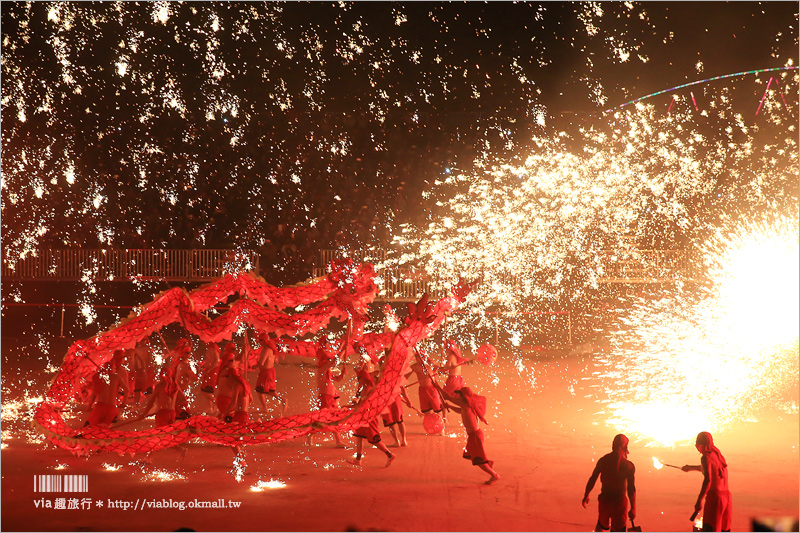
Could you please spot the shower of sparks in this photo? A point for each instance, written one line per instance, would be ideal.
(690, 362)
(239, 467)
(180, 102)
(543, 227)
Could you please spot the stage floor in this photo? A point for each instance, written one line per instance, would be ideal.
(546, 429)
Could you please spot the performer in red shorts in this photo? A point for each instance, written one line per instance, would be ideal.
(430, 399)
(142, 371)
(369, 432)
(165, 398)
(719, 503)
(472, 407)
(453, 366)
(237, 410)
(328, 394)
(209, 376)
(267, 380)
(106, 386)
(225, 379)
(616, 479)
(393, 418)
(184, 375)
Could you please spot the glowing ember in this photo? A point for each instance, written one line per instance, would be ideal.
(658, 464)
(271, 484)
(163, 475)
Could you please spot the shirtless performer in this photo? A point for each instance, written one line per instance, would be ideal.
(227, 379)
(165, 397)
(453, 366)
(142, 371)
(719, 504)
(106, 387)
(184, 374)
(210, 374)
(392, 416)
(238, 388)
(328, 394)
(616, 479)
(430, 400)
(120, 363)
(369, 432)
(267, 380)
(472, 407)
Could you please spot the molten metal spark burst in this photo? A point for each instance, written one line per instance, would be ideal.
(686, 363)
(239, 467)
(271, 484)
(163, 475)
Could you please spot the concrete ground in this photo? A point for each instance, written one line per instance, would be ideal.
(546, 429)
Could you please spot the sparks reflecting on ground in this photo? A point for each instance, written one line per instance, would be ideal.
(271, 484)
(157, 474)
(698, 361)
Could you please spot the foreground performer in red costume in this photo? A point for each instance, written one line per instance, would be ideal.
(719, 504)
(616, 479)
(472, 407)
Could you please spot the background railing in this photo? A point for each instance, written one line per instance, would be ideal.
(628, 266)
(123, 265)
(405, 283)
